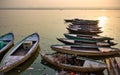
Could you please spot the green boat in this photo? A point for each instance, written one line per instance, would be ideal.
(77, 42)
(6, 42)
(90, 38)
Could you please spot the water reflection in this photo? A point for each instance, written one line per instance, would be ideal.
(102, 21)
(18, 70)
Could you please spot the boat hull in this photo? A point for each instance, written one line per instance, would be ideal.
(76, 42)
(85, 53)
(83, 32)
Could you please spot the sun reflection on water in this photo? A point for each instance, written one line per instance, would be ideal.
(102, 21)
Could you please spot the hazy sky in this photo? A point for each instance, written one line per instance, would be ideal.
(60, 3)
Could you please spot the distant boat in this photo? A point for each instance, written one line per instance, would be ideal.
(6, 42)
(81, 21)
(90, 27)
(87, 37)
(20, 52)
(68, 20)
(77, 42)
(85, 50)
(83, 31)
(83, 65)
(85, 28)
(85, 22)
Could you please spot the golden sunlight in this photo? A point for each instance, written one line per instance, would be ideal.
(102, 21)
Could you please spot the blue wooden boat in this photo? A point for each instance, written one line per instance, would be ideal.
(22, 51)
(6, 42)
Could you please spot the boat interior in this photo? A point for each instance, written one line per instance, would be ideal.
(76, 62)
(24, 48)
(84, 36)
(68, 59)
(84, 48)
(84, 42)
(3, 43)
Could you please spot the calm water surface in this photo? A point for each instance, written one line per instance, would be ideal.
(50, 24)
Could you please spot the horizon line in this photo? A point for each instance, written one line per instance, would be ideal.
(57, 8)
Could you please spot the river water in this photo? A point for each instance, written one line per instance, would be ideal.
(50, 25)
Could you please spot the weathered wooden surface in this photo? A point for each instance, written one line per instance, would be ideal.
(112, 69)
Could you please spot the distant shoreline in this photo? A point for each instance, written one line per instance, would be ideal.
(59, 8)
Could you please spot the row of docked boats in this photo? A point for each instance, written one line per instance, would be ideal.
(18, 53)
(80, 26)
(82, 42)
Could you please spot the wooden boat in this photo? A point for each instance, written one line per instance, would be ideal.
(82, 21)
(77, 42)
(85, 22)
(6, 42)
(81, 64)
(85, 50)
(84, 27)
(71, 20)
(66, 20)
(117, 60)
(83, 31)
(115, 64)
(87, 37)
(20, 52)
